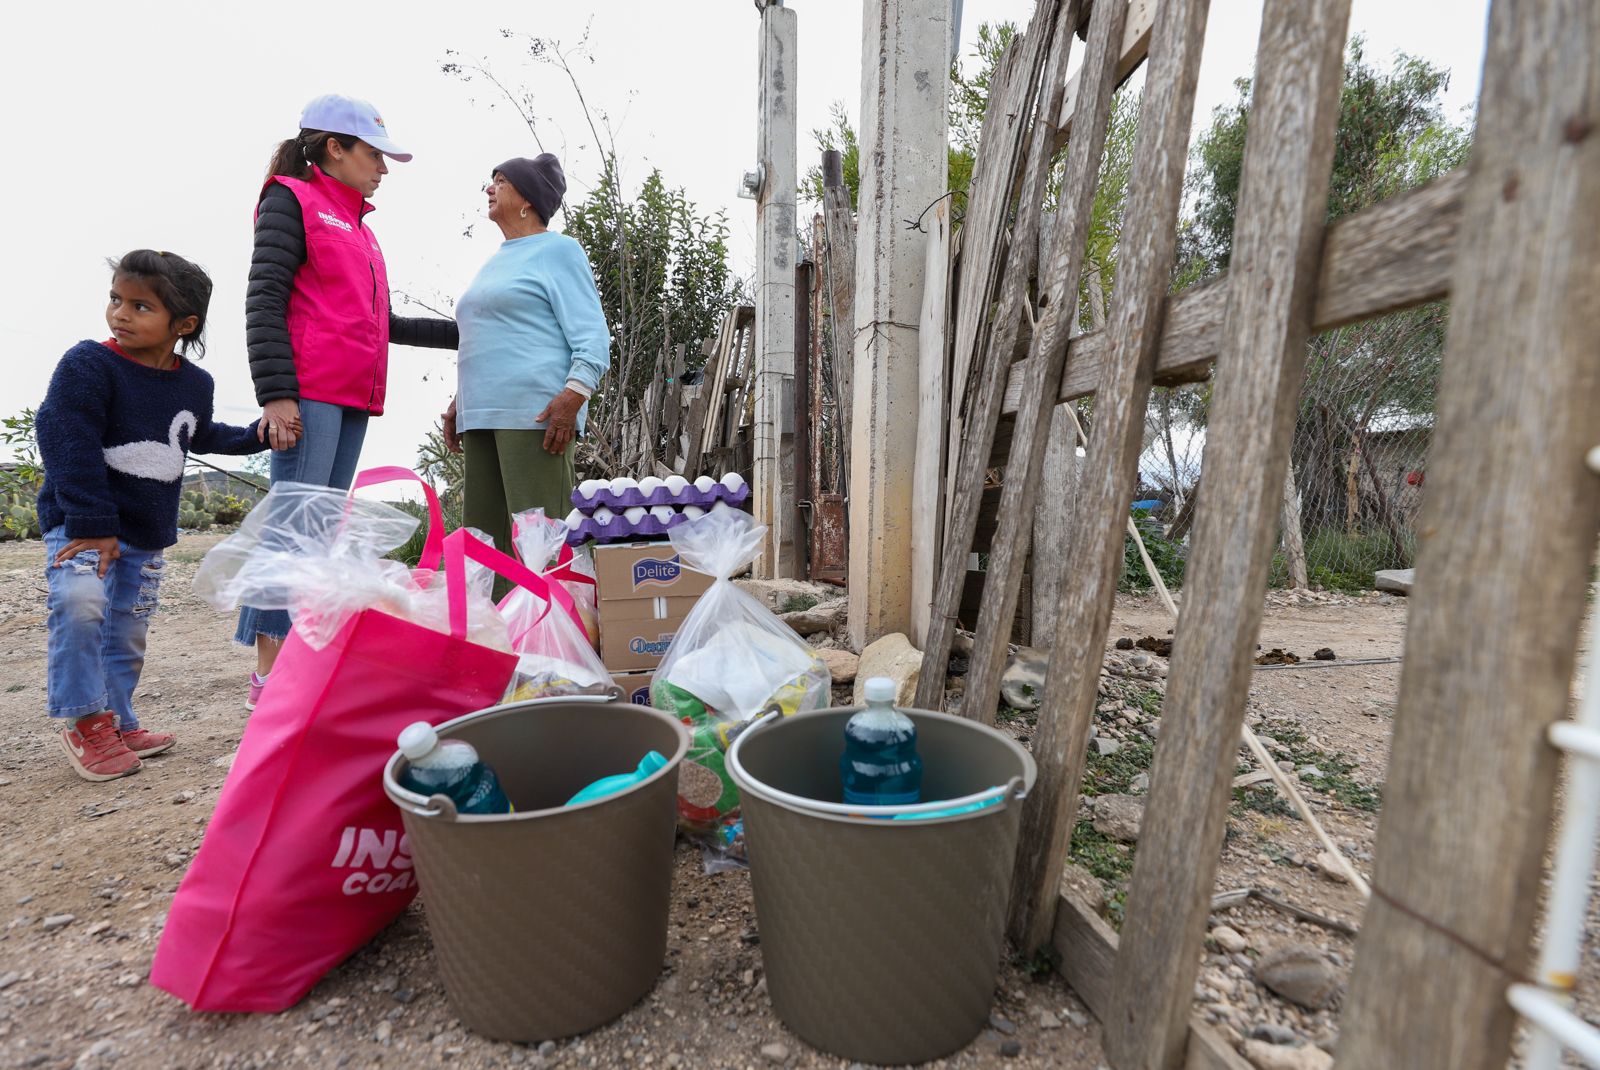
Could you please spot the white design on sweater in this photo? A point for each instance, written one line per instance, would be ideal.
(161, 461)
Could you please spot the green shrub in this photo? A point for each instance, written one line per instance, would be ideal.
(1166, 555)
(1339, 561)
(411, 552)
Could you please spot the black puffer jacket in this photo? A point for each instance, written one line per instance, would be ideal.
(280, 249)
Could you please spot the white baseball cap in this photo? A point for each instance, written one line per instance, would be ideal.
(357, 118)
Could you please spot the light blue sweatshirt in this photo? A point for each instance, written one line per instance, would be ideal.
(530, 321)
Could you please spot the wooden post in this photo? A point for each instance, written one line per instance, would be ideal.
(1260, 369)
(1057, 486)
(927, 488)
(1503, 567)
(905, 50)
(1294, 542)
(801, 498)
(1094, 544)
(1059, 298)
(840, 269)
(1042, 62)
(773, 370)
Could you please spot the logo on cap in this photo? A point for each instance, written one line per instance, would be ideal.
(378, 120)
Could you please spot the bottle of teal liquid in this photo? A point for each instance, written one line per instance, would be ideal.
(610, 785)
(449, 767)
(880, 766)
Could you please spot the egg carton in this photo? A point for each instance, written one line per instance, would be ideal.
(625, 493)
(635, 522)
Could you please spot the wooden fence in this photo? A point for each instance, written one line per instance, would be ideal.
(1514, 240)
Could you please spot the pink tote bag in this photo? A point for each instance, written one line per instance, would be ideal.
(305, 860)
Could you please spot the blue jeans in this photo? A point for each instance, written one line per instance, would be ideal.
(326, 455)
(97, 628)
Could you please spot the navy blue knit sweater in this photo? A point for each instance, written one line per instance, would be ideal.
(114, 435)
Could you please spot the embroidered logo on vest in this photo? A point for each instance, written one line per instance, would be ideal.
(334, 221)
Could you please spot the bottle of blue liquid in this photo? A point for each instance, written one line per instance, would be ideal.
(880, 766)
(610, 785)
(449, 767)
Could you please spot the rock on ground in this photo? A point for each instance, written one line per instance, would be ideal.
(892, 656)
(842, 665)
(1022, 686)
(1229, 939)
(774, 593)
(1299, 973)
(823, 617)
(1398, 580)
(1119, 816)
(1264, 1056)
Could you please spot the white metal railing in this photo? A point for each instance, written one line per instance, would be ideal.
(1547, 1004)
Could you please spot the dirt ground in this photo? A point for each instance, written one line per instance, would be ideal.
(75, 994)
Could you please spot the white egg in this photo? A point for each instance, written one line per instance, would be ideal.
(621, 484)
(588, 487)
(676, 485)
(650, 484)
(693, 512)
(603, 516)
(575, 520)
(663, 513)
(634, 514)
(704, 483)
(721, 507)
(733, 481)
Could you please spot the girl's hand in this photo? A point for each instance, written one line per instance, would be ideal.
(282, 419)
(447, 420)
(562, 414)
(108, 548)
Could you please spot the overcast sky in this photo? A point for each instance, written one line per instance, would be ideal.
(151, 125)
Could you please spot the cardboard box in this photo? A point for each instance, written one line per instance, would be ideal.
(635, 686)
(636, 632)
(627, 571)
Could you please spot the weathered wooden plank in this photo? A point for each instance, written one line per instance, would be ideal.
(1134, 45)
(1277, 237)
(1094, 542)
(1503, 568)
(839, 267)
(1000, 154)
(1394, 255)
(1051, 37)
(672, 404)
(1057, 487)
(927, 479)
(1058, 286)
(1086, 948)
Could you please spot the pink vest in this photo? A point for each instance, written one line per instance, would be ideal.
(339, 305)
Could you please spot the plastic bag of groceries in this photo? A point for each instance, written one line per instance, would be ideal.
(554, 653)
(542, 545)
(319, 553)
(731, 661)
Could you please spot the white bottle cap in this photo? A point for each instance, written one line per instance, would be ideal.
(416, 740)
(880, 689)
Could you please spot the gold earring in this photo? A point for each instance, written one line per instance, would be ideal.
(522, 213)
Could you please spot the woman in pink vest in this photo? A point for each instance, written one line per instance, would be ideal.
(317, 318)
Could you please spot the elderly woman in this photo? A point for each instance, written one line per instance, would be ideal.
(533, 346)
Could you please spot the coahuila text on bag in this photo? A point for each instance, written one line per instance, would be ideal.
(385, 849)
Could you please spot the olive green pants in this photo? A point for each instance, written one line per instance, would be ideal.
(509, 471)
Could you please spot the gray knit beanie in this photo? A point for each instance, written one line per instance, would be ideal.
(540, 180)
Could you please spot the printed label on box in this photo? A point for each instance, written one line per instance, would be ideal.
(652, 570)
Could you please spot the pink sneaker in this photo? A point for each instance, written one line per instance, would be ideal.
(95, 749)
(144, 743)
(258, 684)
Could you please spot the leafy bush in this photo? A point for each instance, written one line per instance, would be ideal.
(1338, 561)
(411, 552)
(1168, 556)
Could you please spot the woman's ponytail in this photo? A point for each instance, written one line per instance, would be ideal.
(293, 157)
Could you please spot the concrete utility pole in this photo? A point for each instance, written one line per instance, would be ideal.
(773, 475)
(905, 74)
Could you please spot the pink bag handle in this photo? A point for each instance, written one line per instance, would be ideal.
(561, 571)
(433, 544)
(461, 545)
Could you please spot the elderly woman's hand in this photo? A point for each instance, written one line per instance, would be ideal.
(447, 423)
(560, 418)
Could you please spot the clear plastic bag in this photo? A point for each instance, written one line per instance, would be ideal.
(541, 542)
(319, 553)
(731, 661)
(554, 657)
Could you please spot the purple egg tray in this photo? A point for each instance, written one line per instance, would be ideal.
(633, 496)
(621, 529)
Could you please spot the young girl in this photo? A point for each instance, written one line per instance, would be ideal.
(114, 432)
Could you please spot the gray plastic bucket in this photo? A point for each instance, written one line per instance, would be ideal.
(881, 938)
(551, 920)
